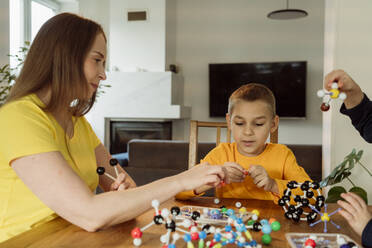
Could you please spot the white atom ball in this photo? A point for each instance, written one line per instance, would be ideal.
(165, 212)
(137, 242)
(320, 93)
(254, 217)
(163, 238)
(342, 96)
(155, 203)
(176, 236)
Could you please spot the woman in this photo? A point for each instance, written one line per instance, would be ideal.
(49, 153)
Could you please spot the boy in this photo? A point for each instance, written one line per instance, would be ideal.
(269, 167)
(359, 108)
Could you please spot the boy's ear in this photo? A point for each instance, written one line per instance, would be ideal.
(274, 124)
(228, 121)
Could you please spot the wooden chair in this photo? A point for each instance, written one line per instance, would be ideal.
(193, 145)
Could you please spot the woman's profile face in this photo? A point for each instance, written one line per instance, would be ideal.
(94, 64)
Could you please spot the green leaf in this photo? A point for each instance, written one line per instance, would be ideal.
(359, 155)
(361, 192)
(334, 194)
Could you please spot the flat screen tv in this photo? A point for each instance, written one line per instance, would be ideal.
(287, 80)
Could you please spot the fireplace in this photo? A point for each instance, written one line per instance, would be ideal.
(122, 131)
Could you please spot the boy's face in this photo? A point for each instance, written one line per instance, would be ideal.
(250, 124)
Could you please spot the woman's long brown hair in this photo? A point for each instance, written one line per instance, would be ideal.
(56, 61)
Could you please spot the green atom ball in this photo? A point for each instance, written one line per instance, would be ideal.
(250, 222)
(266, 239)
(275, 226)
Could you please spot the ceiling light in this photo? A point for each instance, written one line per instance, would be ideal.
(287, 14)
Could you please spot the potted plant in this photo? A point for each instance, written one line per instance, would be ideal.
(9, 74)
(341, 172)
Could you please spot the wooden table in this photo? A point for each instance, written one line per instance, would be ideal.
(60, 233)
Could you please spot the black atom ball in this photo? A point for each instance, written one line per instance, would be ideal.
(286, 198)
(206, 227)
(171, 226)
(113, 162)
(295, 217)
(158, 219)
(281, 202)
(305, 186)
(299, 211)
(320, 198)
(175, 210)
(291, 209)
(315, 185)
(292, 184)
(288, 215)
(309, 194)
(297, 198)
(195, 215)
(305, 202)
(257, 226)
(101, 170)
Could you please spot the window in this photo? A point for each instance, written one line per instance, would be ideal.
(26, 18)
(40, 13)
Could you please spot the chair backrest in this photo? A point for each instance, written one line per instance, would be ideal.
(193, 144)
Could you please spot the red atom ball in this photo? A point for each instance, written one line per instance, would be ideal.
(310, 242)
(324, 107)
(194, 236)
(136, 233)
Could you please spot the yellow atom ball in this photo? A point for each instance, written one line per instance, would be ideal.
(242, 210)
(325, 217)
(256, 212)
(335, 93)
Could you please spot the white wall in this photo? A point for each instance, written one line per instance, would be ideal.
(4, 32)
(353, 53)
(137, 44)
(219, 31)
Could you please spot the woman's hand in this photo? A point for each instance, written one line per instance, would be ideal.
(121, 183)
(355, 211)
(201, 175)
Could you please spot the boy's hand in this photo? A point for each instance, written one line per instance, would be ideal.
(234, 173)
(355, 211)
(345, 84)
(262, 179)
(120, 183)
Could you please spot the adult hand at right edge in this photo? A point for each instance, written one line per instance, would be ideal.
(345, 84)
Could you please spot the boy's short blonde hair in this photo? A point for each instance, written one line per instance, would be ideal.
(253, 92)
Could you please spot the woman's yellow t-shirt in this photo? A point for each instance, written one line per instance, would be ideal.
(25, 129)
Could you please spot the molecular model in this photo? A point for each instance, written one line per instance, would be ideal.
(167, 218)
(295, 212)
(334, 93)
(266, 226)
(101, 170)
(324, 217)
(234, 231)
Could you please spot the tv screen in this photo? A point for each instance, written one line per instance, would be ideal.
(287, 80)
